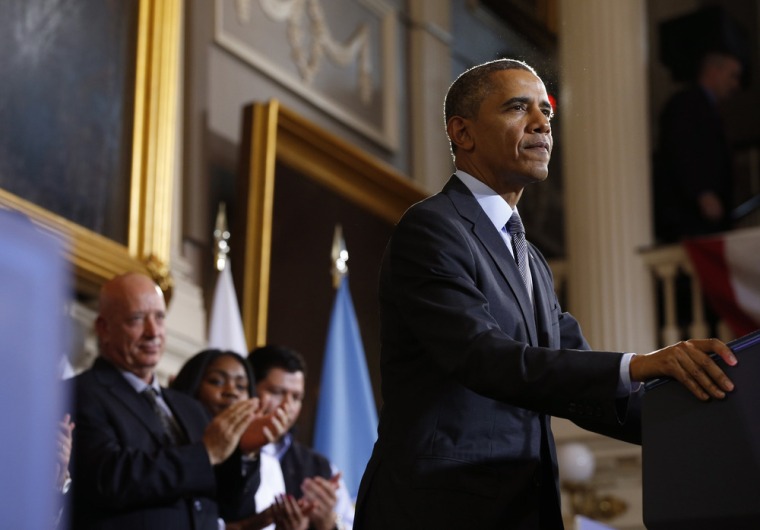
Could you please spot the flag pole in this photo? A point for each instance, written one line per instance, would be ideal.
(345, 426)
(225, 328)
(221, 237)
(339, 256)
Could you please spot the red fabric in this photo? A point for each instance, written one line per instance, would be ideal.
(708, 257)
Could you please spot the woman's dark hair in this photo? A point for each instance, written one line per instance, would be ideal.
(191, 374)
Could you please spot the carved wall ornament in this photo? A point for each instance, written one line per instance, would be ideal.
(309, 50)
(341, 56)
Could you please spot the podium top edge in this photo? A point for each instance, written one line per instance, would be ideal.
(747, 341)
(736, 345)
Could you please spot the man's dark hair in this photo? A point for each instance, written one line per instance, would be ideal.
(469, 90)
(264, 358)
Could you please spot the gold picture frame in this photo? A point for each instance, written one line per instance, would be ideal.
(272, 135)
(94, 257)
(296, 183)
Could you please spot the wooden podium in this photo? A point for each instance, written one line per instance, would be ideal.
(701, 461)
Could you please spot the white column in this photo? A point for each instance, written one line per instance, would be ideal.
(605, 145)
(429, 79)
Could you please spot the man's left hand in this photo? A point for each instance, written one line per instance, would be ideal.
(322, 494)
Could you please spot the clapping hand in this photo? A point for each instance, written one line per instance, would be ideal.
(223, 434)
(291, 514)
(322, 494)
(269, 426)
(65, 434)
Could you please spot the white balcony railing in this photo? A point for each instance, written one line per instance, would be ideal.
(673, 272)
(681, 308)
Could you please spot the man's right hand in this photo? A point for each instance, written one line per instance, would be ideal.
(223, 434)
(265, 429)
(689, 363)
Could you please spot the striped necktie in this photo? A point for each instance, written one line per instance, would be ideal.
(519, 246)
(172, 430)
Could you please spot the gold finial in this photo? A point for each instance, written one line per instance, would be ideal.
(221, 235)
(339, 256)
(160, 274)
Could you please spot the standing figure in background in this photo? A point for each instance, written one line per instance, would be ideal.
(693, 175)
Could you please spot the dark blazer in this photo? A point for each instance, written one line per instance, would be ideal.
(123, 477)
(470, 377)
(300, 462)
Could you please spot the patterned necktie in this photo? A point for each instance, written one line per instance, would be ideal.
(519, 246)
(172, 430)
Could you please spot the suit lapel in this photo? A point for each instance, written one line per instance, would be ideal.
(489, 237)
(110, 377)
(181, 413)
(543, 299)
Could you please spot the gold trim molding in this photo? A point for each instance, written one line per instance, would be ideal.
(94, 257)
(272, 134)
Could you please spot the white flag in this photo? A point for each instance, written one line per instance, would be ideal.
(225, 327)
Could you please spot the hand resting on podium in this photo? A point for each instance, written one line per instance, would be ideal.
(690, 363)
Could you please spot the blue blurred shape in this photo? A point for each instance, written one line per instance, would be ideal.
(346, 421)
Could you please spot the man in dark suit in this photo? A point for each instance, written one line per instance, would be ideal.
(137, 462)
(693, 169)
(475, 356)
(280, 381)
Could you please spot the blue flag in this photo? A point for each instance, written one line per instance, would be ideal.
(346, 422)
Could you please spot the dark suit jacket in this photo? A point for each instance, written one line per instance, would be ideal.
(298, 463)
(693, 157)
(469, 377)
(123, 477)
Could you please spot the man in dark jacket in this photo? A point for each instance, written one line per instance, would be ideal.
(477, 354)
(280, 379)
(693, 174)
(144, 456)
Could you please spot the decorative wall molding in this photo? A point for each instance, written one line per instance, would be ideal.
(294, 42)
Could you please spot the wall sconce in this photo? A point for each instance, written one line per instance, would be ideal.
(576, 467)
